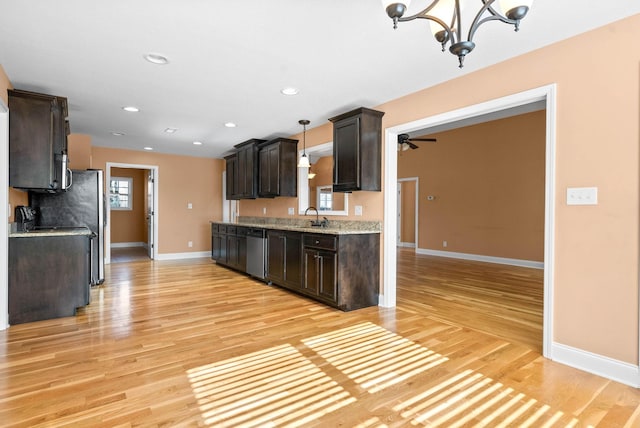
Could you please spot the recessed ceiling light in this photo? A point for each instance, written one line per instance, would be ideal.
(290, 91)
(156, 59)
(197, 143)
(230, 125)
(148, 148)
(170, 130)
(117, 134)
(131, 109)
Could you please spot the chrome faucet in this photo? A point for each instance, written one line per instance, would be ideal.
(317, 222)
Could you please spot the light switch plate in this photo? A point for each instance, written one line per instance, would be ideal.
(358, 210)
(582, 196)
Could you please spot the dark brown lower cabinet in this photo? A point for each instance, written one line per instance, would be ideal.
(229, 246)
(284, 258)
(342, 270)
(320, 274)
(49, 277)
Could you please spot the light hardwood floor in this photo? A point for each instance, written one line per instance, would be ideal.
(189, 343)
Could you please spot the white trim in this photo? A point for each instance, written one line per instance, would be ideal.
(4, 215)
(609, 368)
(480, 258)
(156, 206)
(182, 256)
(128, 244)
(407, 244)
(545, 93)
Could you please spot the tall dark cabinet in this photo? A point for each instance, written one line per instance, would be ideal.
(38, 130)
(242, 175)
(357, 150)
(278, 174)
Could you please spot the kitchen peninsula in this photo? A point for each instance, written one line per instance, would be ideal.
(338, 265)
(49, 273)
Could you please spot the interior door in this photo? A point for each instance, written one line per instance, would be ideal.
(150, 213)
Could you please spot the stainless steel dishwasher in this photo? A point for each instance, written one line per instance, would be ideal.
(256, 248)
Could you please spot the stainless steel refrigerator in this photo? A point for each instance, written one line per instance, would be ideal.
(81, 205)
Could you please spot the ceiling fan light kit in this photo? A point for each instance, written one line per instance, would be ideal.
(405, 142)
(446, 20)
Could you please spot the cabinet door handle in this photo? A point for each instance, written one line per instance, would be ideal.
(317, 242)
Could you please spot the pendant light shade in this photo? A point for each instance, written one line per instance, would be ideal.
(304, 160)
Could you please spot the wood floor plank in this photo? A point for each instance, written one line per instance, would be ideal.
(189, 343)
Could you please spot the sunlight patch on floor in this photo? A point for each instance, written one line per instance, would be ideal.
(274, 387)
(372, 356)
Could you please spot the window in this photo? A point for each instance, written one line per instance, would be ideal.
(121, 193)
(325, 198)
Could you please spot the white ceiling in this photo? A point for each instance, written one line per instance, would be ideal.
(229, 60)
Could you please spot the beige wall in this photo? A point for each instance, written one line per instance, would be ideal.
(181, 179)
(130, 225)
(596, 247)
(79, 150)
(488, 186)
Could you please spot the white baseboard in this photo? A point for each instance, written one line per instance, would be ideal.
(480, 258)
(128, 244)
(181, 256)
(407, 244)
(609, 368)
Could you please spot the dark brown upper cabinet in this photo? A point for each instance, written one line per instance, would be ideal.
(278, 175)
(38, 130)
(357, 150)
(242, 170)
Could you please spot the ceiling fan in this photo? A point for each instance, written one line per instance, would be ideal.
(405, 142)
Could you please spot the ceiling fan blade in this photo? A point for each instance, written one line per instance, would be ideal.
(424, 139)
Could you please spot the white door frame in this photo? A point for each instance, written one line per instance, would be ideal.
(416, 214)
(4, 215)
(107, 231)
(545, 93)
(151, 213)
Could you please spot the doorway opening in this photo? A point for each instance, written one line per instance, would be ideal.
(131, 232)
(479, 112)
(408, 212)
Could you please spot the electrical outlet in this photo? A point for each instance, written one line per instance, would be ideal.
(264, 210)
(291, 211)
(189, 206)
(190, 244)
(582, 196)
(358, 210)
(444, 244)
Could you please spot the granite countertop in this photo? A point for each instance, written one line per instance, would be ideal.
(336, 227)
(52, 231)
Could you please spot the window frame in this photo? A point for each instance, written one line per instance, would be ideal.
(129, 206)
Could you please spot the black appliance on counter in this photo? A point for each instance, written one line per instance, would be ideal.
(83, 204)
(25, 218)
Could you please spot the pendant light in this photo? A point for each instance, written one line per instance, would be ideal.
(304, 160)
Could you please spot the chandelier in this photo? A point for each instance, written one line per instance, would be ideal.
(446, 20)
